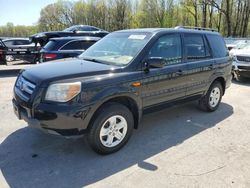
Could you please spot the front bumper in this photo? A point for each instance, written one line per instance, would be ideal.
(242, 68)
(54, 119)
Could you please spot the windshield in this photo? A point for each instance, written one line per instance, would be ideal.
(117, 48)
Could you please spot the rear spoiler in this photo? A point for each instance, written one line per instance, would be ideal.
(42, 40)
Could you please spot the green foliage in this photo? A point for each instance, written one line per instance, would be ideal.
(9, 30)
(230, 17)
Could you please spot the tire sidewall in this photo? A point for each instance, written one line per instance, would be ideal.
(214, 85)
(107, 112)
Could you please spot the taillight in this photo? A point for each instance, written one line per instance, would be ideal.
(49, 56)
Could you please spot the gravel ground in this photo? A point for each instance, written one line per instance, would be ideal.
(176, 147)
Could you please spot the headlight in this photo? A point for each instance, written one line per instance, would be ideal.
(63, 92)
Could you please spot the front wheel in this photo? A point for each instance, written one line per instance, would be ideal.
(111, 128)
(211, 101)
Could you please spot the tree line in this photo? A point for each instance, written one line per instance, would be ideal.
(229, 17)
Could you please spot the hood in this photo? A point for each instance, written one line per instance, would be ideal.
(245, 52)
(66, 69)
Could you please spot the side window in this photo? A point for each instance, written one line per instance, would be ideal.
(218, 45)
(169, 48)
(86, 44)
(94, 29)
(207, 48)
(85, 28)
(196, 48)
(21, 42)
(8, 43)
(74, 45)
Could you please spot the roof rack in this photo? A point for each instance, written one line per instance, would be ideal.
(196, 28)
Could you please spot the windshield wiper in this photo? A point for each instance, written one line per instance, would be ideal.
(96, 60)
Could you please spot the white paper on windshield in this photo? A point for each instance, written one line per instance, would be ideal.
(137, 37)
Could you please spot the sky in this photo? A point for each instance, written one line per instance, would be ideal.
(21, 12)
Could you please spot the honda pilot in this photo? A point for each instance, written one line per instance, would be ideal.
(104, 92)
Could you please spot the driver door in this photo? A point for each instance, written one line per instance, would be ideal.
(168, 83)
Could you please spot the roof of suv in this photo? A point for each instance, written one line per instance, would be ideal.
(177, 29)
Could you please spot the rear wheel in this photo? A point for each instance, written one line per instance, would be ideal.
(211, 101)
(111, 128)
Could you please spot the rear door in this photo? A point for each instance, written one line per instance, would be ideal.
(168, 83)
(200, 63)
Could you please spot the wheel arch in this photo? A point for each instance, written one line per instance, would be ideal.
(221, 80)
(128, 100)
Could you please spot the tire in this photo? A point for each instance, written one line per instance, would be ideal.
(103, 136)
(211, 103)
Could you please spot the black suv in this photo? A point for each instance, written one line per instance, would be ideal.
(105, 91)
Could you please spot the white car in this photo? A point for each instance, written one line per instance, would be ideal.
(240, 45)
(241, 63)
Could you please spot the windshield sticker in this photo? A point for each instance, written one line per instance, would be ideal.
(137, 37)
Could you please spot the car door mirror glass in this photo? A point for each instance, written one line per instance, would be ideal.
(154, 62)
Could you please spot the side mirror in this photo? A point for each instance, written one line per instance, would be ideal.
(75, 31)
(154, 62)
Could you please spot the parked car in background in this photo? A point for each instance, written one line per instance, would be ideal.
(3, 50)
(76, 30)
(104, 92)
(238, 46)
(65, 47)
(241, 63)
(22, 49)
(234, 42)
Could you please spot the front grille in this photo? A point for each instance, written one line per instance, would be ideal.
(243, 58)
(244, 67)
(24, 88)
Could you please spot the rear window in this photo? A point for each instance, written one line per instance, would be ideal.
(50, 45)
(78, 45)
(21, 42)
(218, 45)
(87, 44)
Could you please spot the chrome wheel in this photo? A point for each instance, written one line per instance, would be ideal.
(214, 97)
(9, 58)
(113, 131)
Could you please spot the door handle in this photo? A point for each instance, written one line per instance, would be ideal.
(179, 72)
(211, 66)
